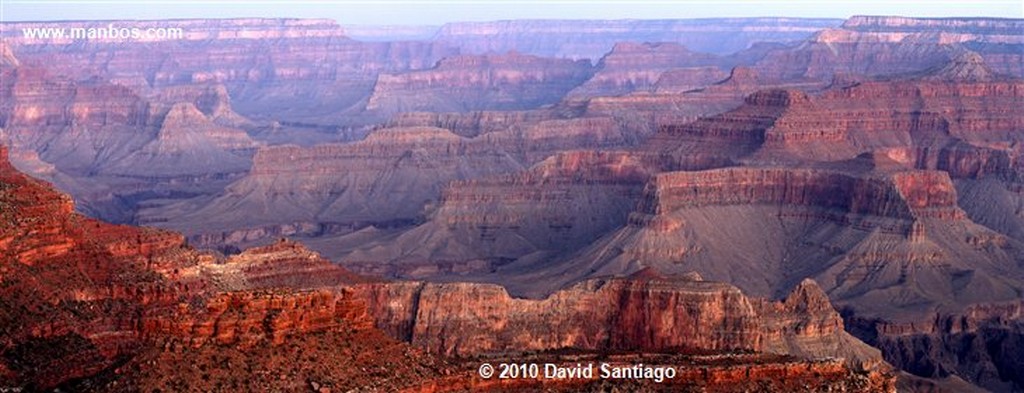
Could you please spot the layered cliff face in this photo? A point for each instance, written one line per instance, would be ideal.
(936, 347)
(91, 306)
(892, 193)
(73, 287)
(673, 102)
(633, 67)
(589, 39)
(646, 312)
(387, 178)
(113, 145)
(895, 45)
(513, 222)
(264, 63)
(393, 178)
(508, 81)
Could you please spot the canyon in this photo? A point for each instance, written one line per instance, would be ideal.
(776, 204)
(90, 306)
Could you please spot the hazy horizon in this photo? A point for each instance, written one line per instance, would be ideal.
(419, 13)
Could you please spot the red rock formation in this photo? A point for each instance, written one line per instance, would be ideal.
(83, 298)
(155, 314)
(646, 313)
(902, 195)
(74, 287)
(284, 264)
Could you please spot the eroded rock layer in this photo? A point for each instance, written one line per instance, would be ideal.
(95, 307)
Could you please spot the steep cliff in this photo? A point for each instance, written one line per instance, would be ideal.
(386, 178)
(264, 63)
(513, 222)
(646, 312)
(631, 67)
(89, 306)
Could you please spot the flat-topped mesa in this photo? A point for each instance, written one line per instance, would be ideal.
(464, 83)
(747, 124)
(902, 195)
(778, 98)
(633, 67)
(386, 179)
(645, 312)
(574, 167)
(561, 182)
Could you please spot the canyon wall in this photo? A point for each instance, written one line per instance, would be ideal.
(589, 39)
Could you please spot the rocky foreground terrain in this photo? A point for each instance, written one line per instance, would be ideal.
(768, 204)
(92, 306)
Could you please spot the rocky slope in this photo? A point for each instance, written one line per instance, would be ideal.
(978, 344)
(89, 306)
(113, 145)
(393, 178)
(895, 194)
(387, 178)
(84, 301)
(515, 221)
(633, 67)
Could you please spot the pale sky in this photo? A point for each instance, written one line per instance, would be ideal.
(413, 12)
